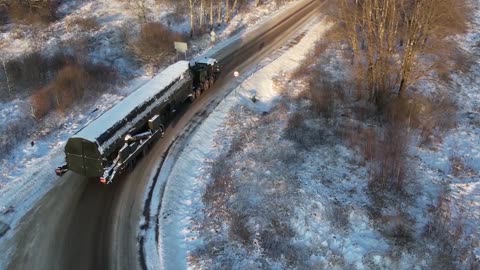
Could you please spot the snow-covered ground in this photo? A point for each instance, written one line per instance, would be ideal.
(257, 195)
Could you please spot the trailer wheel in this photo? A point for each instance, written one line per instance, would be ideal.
(212, 81)
(206, 85)
(192, 97)
(198, 92)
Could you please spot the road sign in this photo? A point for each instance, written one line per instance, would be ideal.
(181, 47)
(212, 36)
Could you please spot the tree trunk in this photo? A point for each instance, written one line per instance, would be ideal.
(219, 12)
(190, 2)
(234, 5)
(6, 77)
(227, 11)
(211, 15)
(202, 4)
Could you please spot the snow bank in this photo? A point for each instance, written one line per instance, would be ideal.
(183, 194)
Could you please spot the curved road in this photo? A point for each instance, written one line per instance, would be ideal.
(82, 224)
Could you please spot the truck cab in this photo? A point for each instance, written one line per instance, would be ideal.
(204, 72)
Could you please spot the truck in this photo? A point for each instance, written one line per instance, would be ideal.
(111, 144)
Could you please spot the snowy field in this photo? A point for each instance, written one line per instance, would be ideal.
(27, 173)
(277, 188)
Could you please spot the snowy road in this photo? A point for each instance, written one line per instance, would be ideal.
(83, 225)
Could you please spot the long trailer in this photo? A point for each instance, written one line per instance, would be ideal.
(112, 142)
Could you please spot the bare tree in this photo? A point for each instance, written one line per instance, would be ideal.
(219, 12)
(396, 42)
(424, 32)
(211, 14)
(201, 13)
(140, 7)
(191, 5)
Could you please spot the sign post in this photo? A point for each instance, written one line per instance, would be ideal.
(212, 36)
(236, 74)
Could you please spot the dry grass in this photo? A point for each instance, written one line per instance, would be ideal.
(239, 231)
(446, 229)
(33, 70)
(303, 135)
(274, 241)
(459, 169)
(26, 72)
(439, 115)
(338, 215)
(397, 227)
(13, 133)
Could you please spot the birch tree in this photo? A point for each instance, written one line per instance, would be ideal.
(211, 14)
(227, 11)
(140, 8)
(191, 5)
(397, 42)
(202, 12)
(219, 12)
(426, 28)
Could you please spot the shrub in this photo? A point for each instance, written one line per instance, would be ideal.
(41, 102)
(155, 43)
(440, 115)
(32, 71)
(3, 13)
(397, 227)
(32, 12)
(275, 239)
(239, 230)
(389, 162)
(26, 72)
(71, 85)
(459, 168)
(324, 95)
(14, 132)
(389, 148)
(85, 24)
(220, 188)
(447, 229)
